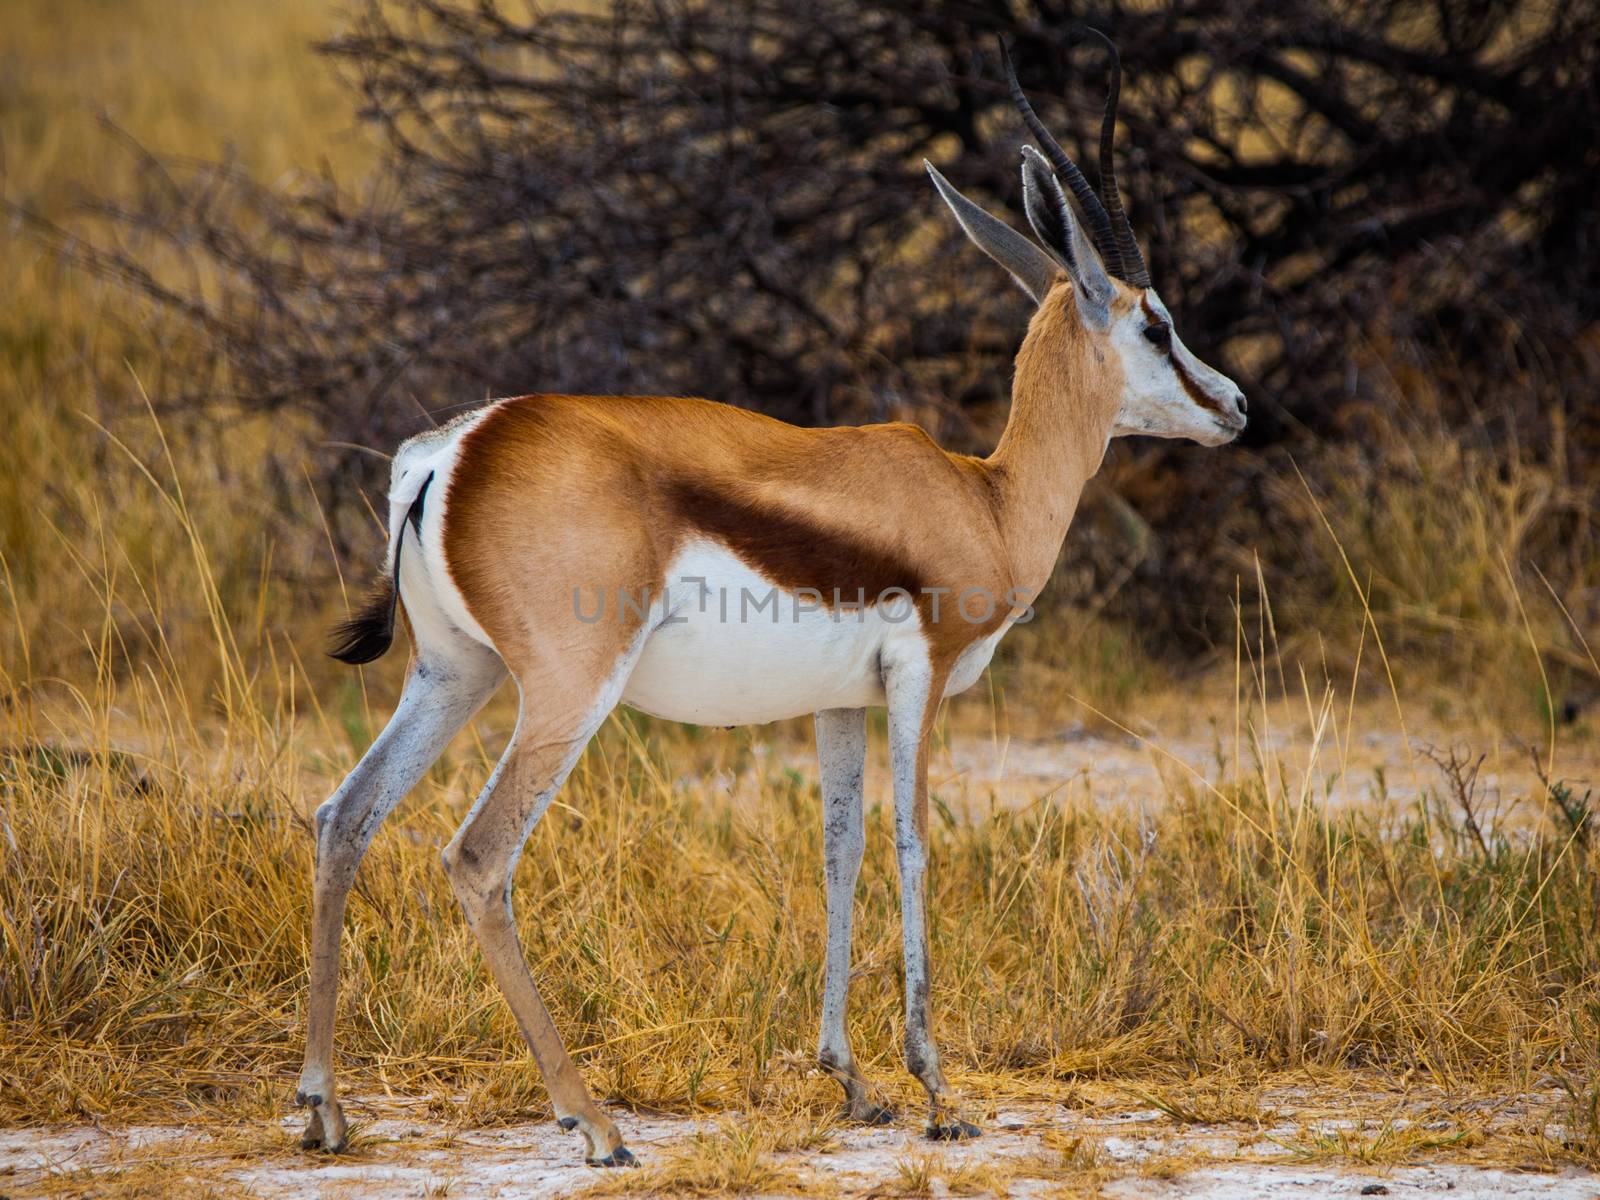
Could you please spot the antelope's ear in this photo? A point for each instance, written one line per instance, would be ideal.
(1057, 227)
(1029, 266)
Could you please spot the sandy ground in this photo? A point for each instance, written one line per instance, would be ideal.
(1024, 1152)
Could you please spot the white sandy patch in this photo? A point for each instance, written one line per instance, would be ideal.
(1137, 1153)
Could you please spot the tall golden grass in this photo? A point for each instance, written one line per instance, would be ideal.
(166, 728)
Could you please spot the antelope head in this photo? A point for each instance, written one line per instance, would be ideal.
(1167, 391)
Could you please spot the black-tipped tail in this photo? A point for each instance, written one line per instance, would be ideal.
(368, 634)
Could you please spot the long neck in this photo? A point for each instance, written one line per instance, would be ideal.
(1063, 404)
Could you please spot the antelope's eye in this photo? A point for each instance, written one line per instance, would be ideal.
(1159, 335)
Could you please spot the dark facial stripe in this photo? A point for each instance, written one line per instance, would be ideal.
(1196, 393)
(1189, 384)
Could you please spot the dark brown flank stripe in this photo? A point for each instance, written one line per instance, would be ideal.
(1196, 393)
(792, 552)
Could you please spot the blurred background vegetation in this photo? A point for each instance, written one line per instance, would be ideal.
(292, 232)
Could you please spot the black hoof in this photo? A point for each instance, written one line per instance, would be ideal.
(315, 1138)
(873, 1114)
(956, 1131)
(620, 1157)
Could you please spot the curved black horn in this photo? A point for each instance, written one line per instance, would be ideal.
(1100, 228)
(1133, 269)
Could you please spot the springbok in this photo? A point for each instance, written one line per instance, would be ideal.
(884, 572)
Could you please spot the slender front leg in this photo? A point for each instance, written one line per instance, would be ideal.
(842, 755)
(913, 690)
(439, 697)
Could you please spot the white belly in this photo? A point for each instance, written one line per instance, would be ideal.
(737, 651)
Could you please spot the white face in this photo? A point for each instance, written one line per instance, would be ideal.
(1168, 391)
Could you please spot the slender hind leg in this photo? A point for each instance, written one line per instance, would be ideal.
(913, 691)
(480, 861)
(842, 755)
(440, 695)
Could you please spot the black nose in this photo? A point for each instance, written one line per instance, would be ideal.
(1240, 403)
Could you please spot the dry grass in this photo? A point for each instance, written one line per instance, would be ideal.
(1390, 1144)
(165, 730)
(1218, 1103)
